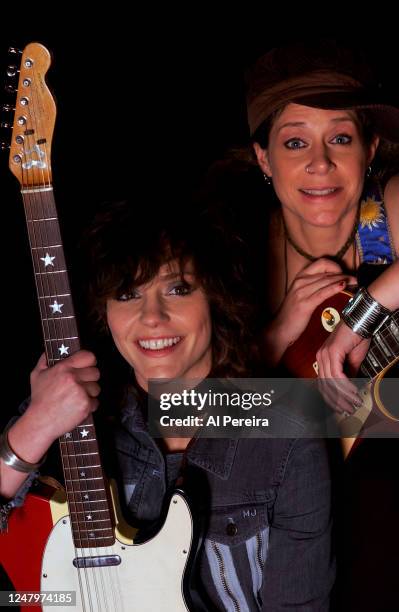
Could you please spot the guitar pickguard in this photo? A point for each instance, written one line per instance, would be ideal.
(146, 577)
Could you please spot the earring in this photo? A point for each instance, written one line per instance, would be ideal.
(268, 180)
(369, 172)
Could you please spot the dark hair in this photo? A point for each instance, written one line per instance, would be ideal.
(125, 247)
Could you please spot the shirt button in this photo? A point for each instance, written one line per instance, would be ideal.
(231, 529)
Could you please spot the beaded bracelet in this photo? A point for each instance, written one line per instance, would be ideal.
(363, 314)
(12, 460)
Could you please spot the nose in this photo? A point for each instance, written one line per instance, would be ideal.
(320, 162)
(153, 311)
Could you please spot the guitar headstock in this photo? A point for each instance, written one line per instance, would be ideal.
(34, 118)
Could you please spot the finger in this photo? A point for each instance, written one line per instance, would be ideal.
(319, 291)
(88, 374)
(335, 397)
(340, 393)
(94, 404)
(323, 266)
(42, 363)
(93, 389)
(40, 366)
(82, 359)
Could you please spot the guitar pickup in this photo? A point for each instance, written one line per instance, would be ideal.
(103, 561)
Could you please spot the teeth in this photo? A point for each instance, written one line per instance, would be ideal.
(319, 192)
(159, 343)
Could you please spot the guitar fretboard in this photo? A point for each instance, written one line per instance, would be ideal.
(384, 347)
(84, 482)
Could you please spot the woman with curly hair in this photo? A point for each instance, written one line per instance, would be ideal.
(176, 308)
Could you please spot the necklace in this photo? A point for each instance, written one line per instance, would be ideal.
(337, 255)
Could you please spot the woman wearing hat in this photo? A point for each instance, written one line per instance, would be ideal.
(320, 128)
(317, 124)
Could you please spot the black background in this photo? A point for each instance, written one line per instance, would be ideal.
(144, 102)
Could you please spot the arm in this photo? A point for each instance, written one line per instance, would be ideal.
(346, 345)
(317, 282)
(299, 571)
(61, 398)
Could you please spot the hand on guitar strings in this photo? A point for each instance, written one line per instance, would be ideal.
(344, 348)
(64, 395)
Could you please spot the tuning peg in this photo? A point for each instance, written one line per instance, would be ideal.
(12, 71)
(10, 88)
(7, 108)
(14, 51)
(4, 146)
(5, 125)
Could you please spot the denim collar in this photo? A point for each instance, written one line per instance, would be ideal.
(215, 455)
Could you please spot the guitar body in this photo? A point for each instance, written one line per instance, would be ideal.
(125, 576)
(379, 414)
(28, 529)
(300, 357)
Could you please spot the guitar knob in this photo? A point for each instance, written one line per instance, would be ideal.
(10, 88)
(12, 71)
(5, 125)
(14, 51)
(4, 146)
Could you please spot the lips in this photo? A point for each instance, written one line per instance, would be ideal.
(320, 191)
(154, 344)
(157, 347)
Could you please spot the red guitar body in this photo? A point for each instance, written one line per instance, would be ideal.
(300, 357)
(382, 418)
(30, 523)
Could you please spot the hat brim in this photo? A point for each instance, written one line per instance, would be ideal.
(385, 116)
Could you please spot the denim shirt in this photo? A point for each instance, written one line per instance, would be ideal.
(265, 508)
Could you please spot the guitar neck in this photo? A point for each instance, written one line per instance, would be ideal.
(30, 162)
(55, 302)
(84, 482)
(384, 348)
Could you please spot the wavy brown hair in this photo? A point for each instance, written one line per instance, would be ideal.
(125, 247)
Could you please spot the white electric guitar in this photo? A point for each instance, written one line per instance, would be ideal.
(72, 542)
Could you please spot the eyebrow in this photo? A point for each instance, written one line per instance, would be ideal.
(173, 275)
(303, 123)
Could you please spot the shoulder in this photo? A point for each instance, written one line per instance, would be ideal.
(391, 201)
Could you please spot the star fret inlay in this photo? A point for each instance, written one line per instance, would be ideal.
(56, 307)
(63, 349)
(48, 260)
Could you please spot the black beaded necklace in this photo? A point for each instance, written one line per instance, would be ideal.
(337, 257)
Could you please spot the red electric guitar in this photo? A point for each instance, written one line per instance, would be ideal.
(72, 543)
(379, 414)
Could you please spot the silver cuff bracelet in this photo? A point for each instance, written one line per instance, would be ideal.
(12, 460)
(363, 314)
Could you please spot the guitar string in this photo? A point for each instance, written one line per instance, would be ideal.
(46, 195)
(57, 320)
(386, 334)
(43, 215)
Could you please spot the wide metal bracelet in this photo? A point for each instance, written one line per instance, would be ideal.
(12, 460)
(363, 314)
